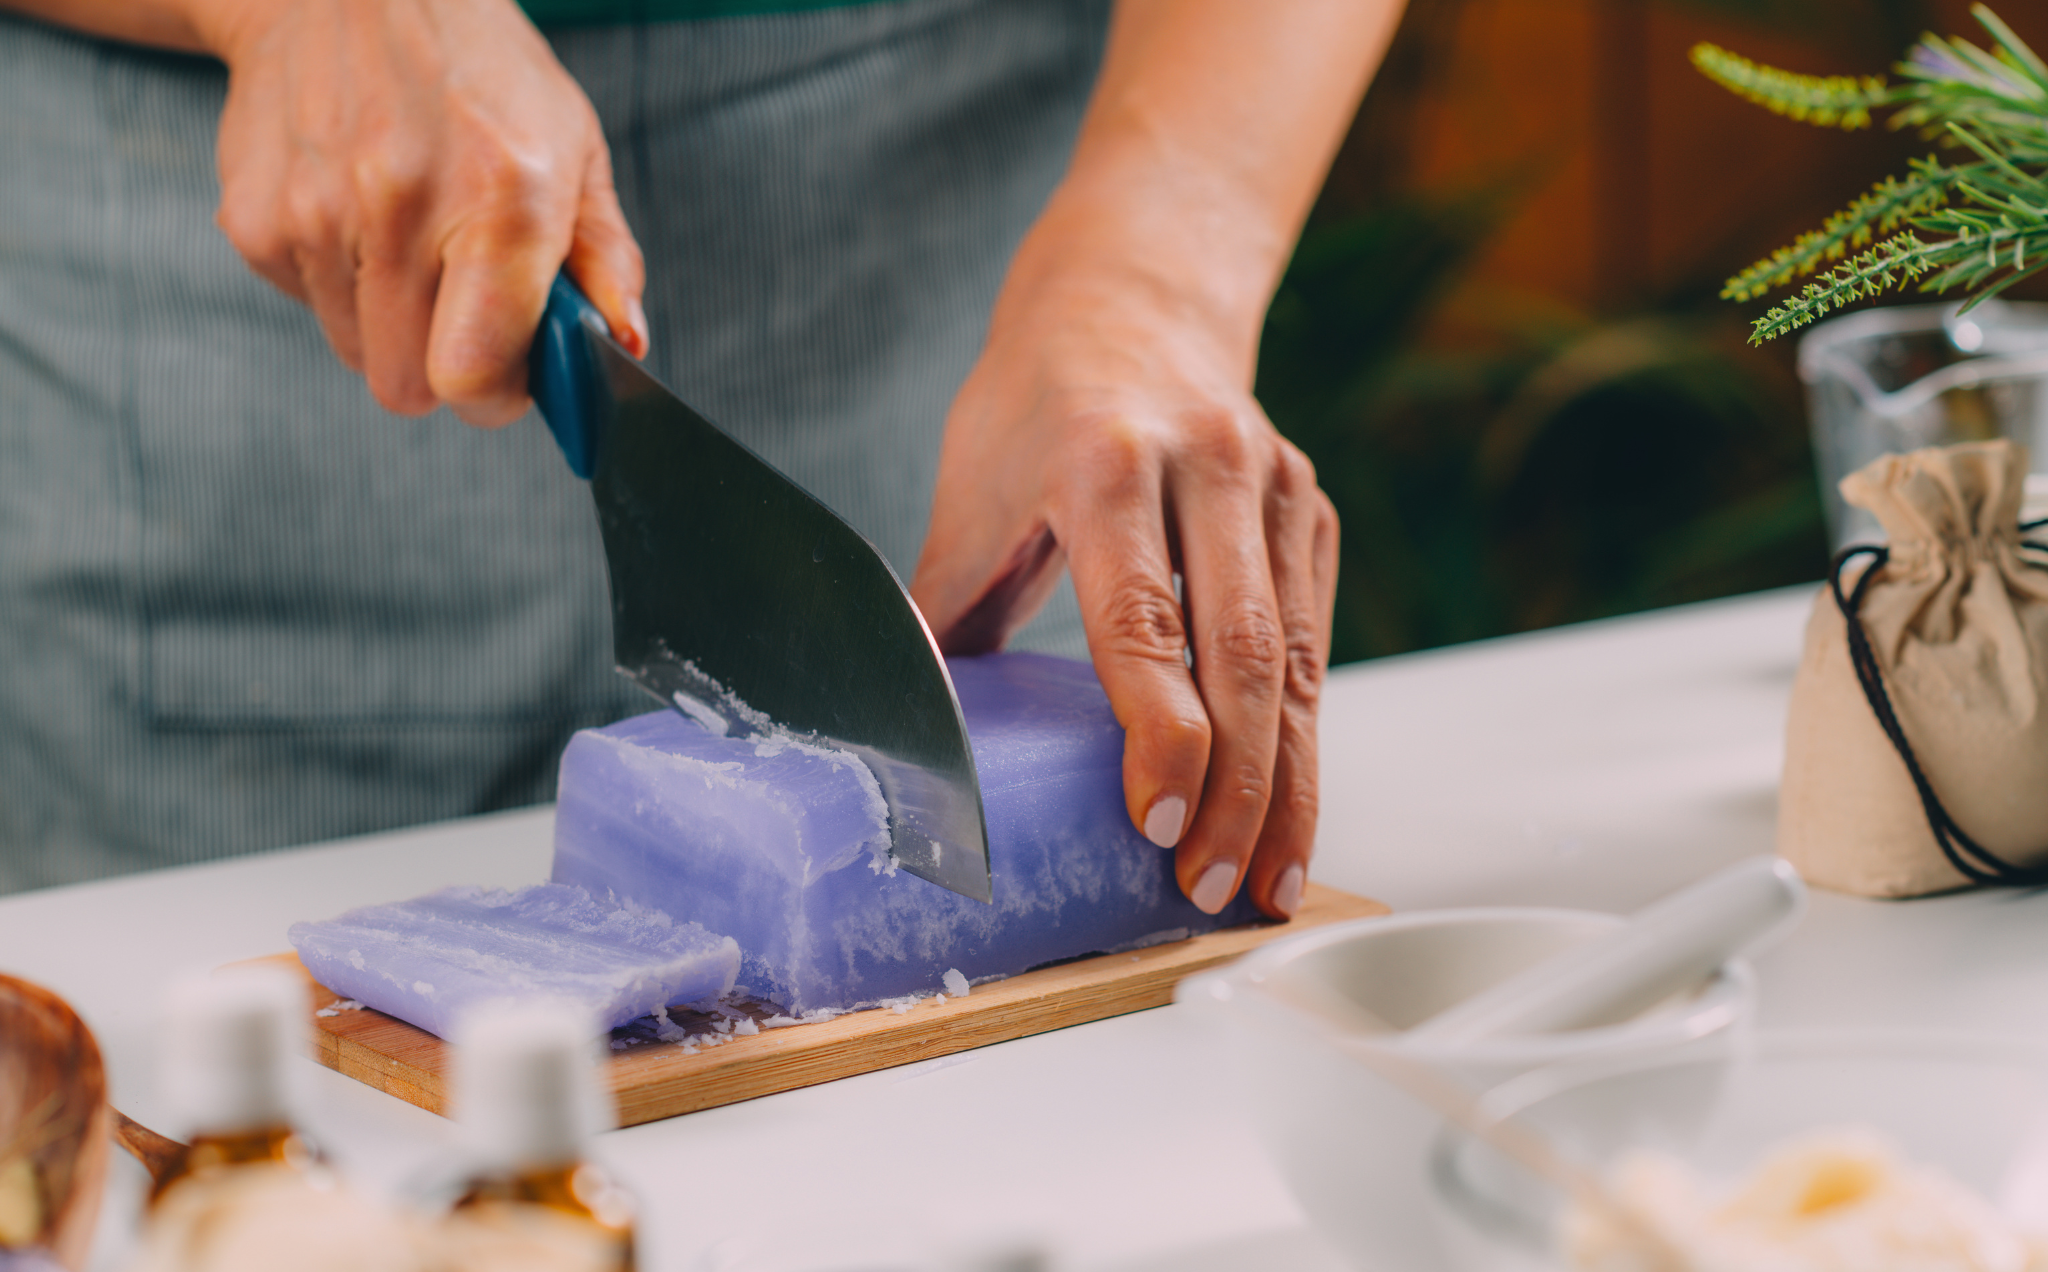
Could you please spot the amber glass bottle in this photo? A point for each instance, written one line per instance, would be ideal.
(530, 1101)
(228, 1036)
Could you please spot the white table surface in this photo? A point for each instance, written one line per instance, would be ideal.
(1597, 766)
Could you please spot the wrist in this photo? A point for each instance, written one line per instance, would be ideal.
(225, 28)
(1127, 247)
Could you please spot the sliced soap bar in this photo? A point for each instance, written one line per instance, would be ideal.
(783, 848)
(433, 958)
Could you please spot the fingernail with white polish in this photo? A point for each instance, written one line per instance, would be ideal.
(1213, 888)
(1287, 892)
(1163, 823)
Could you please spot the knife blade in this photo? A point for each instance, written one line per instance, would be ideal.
(743, 602)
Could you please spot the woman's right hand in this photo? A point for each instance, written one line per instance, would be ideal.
(415, 171)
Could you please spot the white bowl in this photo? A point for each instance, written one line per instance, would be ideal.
(1353, 1148)
(1975, 1109)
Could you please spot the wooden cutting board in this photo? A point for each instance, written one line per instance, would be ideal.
(654, 1079)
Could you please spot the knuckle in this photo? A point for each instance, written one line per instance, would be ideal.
(471, 383)
(310, 217)
(1295, 472)
(1222, 438)
(1143, 620)
(1248, 638)
(391, 177)
(1115, 458)
(1299, 802)
(400, 394)
(1185, 734)
(1307, 668)
(514, 194)
(254, 233)
(1250, 784)
(508, 177)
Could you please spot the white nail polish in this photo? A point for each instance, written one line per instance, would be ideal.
(1163, 823)
(1287, 892)
(1213, 888)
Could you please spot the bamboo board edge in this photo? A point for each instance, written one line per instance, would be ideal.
(656, 1081)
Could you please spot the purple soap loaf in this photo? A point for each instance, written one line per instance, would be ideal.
(434, 958)
(783, 848)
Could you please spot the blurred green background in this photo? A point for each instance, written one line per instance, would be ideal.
(1500, 339)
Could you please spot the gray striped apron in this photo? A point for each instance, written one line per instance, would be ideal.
(242, 607)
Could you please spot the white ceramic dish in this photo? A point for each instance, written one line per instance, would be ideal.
(1976, 1109)
(1353, 1148)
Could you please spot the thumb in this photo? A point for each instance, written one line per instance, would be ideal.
(1004, 601)
(605, 260)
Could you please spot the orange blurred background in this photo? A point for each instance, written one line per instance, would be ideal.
(1501, 340)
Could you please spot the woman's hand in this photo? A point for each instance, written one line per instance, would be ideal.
(1109, 424)
(416, 171)
(1100, 428)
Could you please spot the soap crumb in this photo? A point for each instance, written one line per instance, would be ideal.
(669, 1031)
(339, 1006)
(1167, 937)
(938, 999)
(746, 1028)
(955, 983)
(816, 1016)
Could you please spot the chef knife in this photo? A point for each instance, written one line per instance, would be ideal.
(741, 601)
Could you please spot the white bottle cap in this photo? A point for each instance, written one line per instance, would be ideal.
(226, 1040)
(528, 1091)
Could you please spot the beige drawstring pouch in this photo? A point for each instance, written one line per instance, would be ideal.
(1916, 755)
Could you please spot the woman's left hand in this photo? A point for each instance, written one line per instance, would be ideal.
(1110, 426)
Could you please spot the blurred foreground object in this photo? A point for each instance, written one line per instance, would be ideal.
(529, 1097)
(1900, 379)
(265, 1215)
(54, 1135)
(247, 1193)
(1990, 210)
(1935, 654)
(229, 1035)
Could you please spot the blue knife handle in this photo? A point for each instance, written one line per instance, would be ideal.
(563, 377)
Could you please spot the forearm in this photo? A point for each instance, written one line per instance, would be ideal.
(1211, 128)
(183, 25)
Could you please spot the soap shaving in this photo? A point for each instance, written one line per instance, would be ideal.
(726, 1020)
(1167, 937)
(771, 739)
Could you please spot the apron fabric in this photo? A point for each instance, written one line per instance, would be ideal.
(242, 607)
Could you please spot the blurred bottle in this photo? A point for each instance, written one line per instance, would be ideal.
(530, 1100)
(248, 1195)
(228, 1036)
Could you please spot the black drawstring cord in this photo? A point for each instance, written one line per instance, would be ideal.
(1976, 862)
